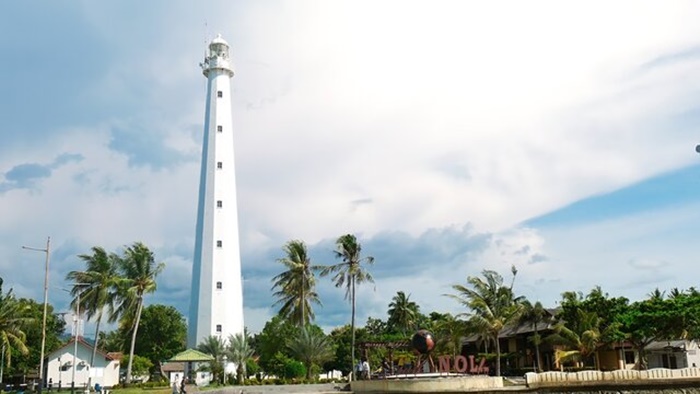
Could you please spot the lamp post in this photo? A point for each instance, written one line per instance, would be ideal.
(60, 374)
(47, 250)
(76, 325)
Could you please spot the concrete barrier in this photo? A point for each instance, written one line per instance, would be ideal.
(593, 378)
(427, 385)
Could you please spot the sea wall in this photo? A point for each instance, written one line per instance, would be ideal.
(658, 377)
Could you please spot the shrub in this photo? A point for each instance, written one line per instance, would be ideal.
(294, 369)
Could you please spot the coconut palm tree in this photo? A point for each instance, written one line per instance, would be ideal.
(214, 346)
(534, 314)
(100, 277)
(239, 352)
(403, 312)
(311, 347)
(450, 332)
(11, 322)
(138, 271)
(296, 286)
(580, 341)
(349, 273)
(492, 306)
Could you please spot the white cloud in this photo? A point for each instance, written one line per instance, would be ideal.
(430, 114)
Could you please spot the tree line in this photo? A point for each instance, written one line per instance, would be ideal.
(112, 288)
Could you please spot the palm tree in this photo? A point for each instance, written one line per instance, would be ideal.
(580, 341)
(349, 273)
(534, 314)
(296, 286)
(215, 347)
(138, 277)
(239, 352)
(311, 347)
(450, 332)
(11, 322)
(493, 306)
(403, 312)
(100, 277)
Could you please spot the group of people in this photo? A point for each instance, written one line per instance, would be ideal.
(362, 369)
(179, 385)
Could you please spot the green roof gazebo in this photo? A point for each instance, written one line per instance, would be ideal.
(189, 357)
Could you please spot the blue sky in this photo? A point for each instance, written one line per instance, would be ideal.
(450, 137)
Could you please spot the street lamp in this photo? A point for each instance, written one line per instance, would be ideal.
(60, 372)
(47, 250)
(697, 148)
(76, 325)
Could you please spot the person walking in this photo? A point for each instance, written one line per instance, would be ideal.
(365, 369)
(182, 386)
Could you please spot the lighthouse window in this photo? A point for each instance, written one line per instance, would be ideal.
(219, 165)
(219, 204)
(219, 128)
(219, 94)
(218, 328)
(219, 285)
(219, 243)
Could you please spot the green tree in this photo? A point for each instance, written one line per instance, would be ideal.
(349, 273)
(651, 320)
(140, 365)
(492, 306)
(272, 340)
(376, 327)
(31, 318)
(100, 275)
(215, 347)
(239, 352)
(12, 320)
(311, 347)
(534, 315)
(138, 271)
(296, 287)
(114, 341)
(449, 331)
(585, 324)
(162, 333)
(342, 339)
(580, 338)
(403, 313)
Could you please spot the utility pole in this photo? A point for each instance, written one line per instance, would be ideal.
(47, 250)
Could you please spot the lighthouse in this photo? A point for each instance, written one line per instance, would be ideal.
(216, 302)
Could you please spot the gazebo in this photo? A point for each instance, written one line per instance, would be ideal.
(190, 357)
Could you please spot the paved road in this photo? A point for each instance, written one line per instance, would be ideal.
(326, 388)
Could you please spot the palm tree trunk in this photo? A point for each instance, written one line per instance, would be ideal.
(94, 347)
(538, 358)
(303, 299)
(498, 356)
(352, 323)
(133, 340)
(97, 339)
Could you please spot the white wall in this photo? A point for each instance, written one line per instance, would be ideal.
(105, 372)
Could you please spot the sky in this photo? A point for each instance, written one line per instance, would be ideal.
(450, 137)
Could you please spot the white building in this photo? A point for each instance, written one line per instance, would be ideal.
(675, 354)
(62, 367)
(216, 304)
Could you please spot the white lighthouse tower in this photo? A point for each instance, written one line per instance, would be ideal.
(216, 303)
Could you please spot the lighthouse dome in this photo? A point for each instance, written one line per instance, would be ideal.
(218, 40)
